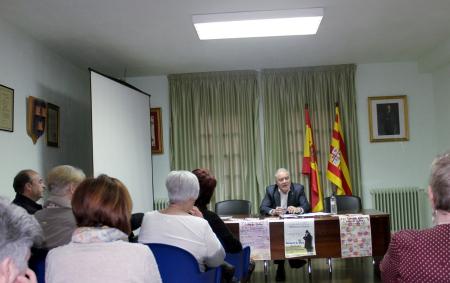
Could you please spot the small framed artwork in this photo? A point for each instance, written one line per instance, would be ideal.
(52, 125)
(388, 118)
(6, 109)
(36, 117)
(156, 130)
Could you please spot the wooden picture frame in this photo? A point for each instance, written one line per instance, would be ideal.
(156, 130)
(388, 118)
(6, 109)
(52, 125)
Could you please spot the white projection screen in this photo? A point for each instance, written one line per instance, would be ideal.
(121, 137)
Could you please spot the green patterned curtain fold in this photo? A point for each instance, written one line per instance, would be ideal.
(214, 125)
(284, 95)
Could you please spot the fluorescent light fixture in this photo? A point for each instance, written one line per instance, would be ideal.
(258, 24)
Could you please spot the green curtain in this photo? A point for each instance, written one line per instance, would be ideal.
(214, 125)
(284, 94)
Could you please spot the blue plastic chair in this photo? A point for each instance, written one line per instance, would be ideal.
(240, 261)
(37, 263)
(178, 265)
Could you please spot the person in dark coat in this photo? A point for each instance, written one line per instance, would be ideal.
(29, 187)
(308, 241)
(284, 197)
(207, 186)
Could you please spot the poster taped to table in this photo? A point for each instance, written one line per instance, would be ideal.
(356, 238)
(299, 238)
(256, 235)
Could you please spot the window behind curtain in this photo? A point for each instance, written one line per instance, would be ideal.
(213, 125)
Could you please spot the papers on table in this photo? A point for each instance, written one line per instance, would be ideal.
(312, 214)
(285, 216)
(299, 238)
(225, 218)
(317, 214)
(255, 233)
(356, 238)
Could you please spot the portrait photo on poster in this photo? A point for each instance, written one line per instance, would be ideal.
(156, 130)
(388, 118)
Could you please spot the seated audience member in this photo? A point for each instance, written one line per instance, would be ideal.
(56, 219)
(284, 197)
(136, 222)
(29, 187)
(424, 255)
(99, 250)
(181, 224)
(207, 184)
(18, 232)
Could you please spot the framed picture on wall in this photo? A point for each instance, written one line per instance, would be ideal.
(6, 109)
(156, 130)
(388, 118)
(52, 125)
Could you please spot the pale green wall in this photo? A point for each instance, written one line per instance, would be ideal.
(158, 87)
(397, 164)
(385, 164)
(32, 70)
(441, 85)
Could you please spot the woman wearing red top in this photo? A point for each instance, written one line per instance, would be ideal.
(424, 255)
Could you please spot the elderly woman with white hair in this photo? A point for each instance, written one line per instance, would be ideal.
(18, 232)
(181, 224)
(56, 219)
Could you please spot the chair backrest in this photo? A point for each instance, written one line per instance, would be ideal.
(240, 261)
(37, 263)
(350, 204)
(233, 207)
(178, 265)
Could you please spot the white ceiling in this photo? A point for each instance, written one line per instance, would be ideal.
(151, 37)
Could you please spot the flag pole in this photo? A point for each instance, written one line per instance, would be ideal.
(333, 186)
(309, 179)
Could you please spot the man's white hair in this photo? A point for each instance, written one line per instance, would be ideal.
(281, 170)
(182, 186)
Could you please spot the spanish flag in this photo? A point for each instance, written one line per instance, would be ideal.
(310, 166)
(337, 171)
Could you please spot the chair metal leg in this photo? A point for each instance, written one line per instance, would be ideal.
(330, 266)
(266, 270)
(309, 267)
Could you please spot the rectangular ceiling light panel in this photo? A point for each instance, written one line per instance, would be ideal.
(258, 24)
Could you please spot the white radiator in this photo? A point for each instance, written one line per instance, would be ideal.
(159, 204)
(403, 204)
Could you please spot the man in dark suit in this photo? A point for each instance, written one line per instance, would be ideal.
(284, 197)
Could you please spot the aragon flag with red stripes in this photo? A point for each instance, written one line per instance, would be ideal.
(310, 167)
(337, 170)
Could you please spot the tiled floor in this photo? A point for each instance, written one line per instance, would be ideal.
(344, 271)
